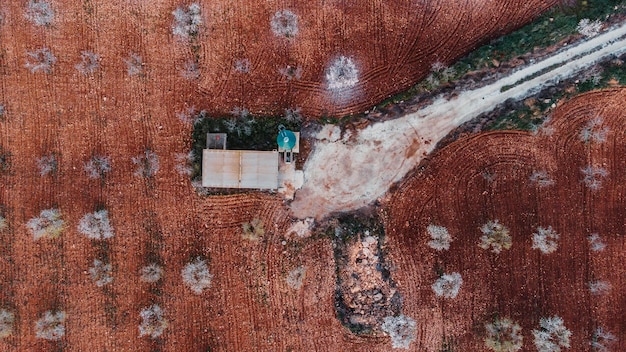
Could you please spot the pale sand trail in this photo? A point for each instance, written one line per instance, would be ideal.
(353, 171)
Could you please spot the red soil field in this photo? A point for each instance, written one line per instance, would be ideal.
(486, 177)
(249, 306)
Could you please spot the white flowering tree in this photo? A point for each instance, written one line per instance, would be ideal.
(196, 276)
(295, 277)
(448, 285)
(7, 320)
(284, 23)
(342, 74)
(552, 335)
(48, 224)
(101, 273)
(598, 287)
(440, 237)
(98, 166)
(187, 21)
(601, 340)
(596, 243)
(153, 322)
(96, 225)
(495, 236)
(51, 326)
(151, 273)
(504, 335)
(545, 240)
(402, 330)
(39, 12)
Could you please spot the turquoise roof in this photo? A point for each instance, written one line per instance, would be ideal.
(286, 139)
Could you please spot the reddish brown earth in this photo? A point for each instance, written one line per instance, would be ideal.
(486, 177)
(249, 306)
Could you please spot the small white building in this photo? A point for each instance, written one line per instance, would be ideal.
(240, 169)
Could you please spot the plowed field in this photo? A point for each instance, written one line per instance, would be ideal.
(235, 59)
(126, 107)
(488, 177)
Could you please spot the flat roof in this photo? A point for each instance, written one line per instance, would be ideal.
(239, 169)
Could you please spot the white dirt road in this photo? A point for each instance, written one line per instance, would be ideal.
(346, 173)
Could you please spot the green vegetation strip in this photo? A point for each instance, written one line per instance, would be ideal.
(547, 30)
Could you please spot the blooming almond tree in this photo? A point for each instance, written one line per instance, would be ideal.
(49, 224)
(402, 330)
(448, 285)
(153, 323)
(151, 273)
(51, 326)
(440, 237)
(601, 339)
(101, 273)
(552, 335)
(503, 335)
(96, 225)
(196, 276)
(545, 240)
(7, 320)
(495, 236)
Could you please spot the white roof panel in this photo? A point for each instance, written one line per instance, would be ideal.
(240, 169)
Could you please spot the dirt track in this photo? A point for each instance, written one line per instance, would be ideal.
(249, 306)
(352, 171)
(487, 177)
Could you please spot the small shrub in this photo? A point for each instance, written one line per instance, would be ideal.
(595, 242)
(402, 330)
(593, 131)
(190, 70)
(96, 225)
(592, 177)
(599, 287)
(51, 326)
(440, 237)
(284, 23)
(101, 273)
(190, 115)
(49, 224)
(134, 65)
(448, 285)
(545, 240)
(601, 339)
(187, 22)
(47, 164)
(4, 223)
(541, 178)
(89, 63)
(589, 28)
(253, 230)
(293, 115)
(552, 335)
(98, 166)
(147, 164)
(242, 65)
(153, 323)
(296, 277)
(184, 163)
(5, 161)
(7, 320)
(196, 275)
(342, 74)
(39, 12)
(495, 236)
(3, 111)
(40, 60)
(151, 273)
(291, 72)
(504, 335)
